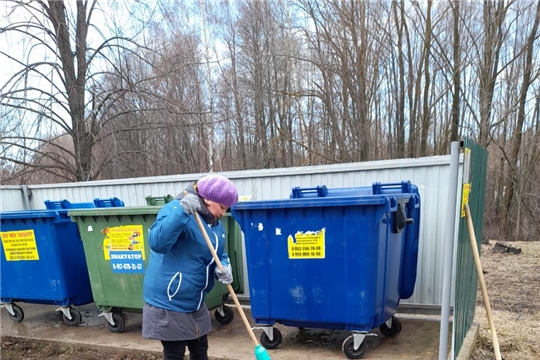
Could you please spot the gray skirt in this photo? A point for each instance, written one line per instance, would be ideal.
(166, 325)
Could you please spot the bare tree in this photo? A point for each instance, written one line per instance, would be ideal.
(514, 180)
(456, 73)
(494, 22)
(400, 23)
(56, 87)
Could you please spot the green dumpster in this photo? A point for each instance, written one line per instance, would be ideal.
(115, 242)
(158, 200)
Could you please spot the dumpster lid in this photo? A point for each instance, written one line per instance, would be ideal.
(116, 211)
(32, 214)
(319, 202)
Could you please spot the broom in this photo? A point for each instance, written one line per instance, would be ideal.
(260, 351)
(472, 237)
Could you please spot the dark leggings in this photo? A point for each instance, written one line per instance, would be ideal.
(175, 350)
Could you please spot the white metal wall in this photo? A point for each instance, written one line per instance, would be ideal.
(430, 174)
(11, 198)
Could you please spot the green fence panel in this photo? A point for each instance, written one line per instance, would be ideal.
(466, 280)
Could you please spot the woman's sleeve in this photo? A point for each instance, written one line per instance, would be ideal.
(169, 225)
(224, 259)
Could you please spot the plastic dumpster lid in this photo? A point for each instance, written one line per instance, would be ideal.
(318, 202)
(153, 200)
(116, 211)
(30, 214)
(391, 188)
(108, 202)
(66, 204)
(377, 188)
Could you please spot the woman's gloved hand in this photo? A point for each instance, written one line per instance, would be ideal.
(191, 203)
(224, 276)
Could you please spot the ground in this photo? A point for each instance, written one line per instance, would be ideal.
(512, 282)
(28, 349)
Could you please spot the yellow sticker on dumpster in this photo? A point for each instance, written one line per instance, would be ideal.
(19, 245)
(123, 238)
(307, 245)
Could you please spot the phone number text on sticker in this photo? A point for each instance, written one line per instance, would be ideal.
(307, 245)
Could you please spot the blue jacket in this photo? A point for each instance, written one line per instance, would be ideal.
(181, 268)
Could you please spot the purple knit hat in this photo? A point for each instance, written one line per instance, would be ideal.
(219, 189)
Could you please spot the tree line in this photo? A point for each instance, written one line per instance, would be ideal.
(101, 90)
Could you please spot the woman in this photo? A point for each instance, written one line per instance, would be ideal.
(181, 268)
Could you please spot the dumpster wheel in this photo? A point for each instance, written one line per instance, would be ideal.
(227, 317)
(119, 319)
(391, 332)
(76, 317)
(18, 313)
(271, 344)
(348, 348)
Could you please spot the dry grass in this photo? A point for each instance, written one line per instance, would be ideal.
(513, 284)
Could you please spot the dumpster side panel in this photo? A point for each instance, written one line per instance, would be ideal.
(72, 261)
(233, 235)
(391, 252)
(410, 262)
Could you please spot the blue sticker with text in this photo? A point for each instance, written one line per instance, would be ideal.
(127, 262)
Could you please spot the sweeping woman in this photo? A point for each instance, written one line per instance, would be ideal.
(181, 269)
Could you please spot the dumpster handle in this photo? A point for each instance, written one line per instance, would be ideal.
(260, 352)
(298, 192)
(378, 187)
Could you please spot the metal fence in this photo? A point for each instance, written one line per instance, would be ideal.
(430, 174)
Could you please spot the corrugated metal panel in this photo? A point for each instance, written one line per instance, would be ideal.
(465, 269)
(11, 198)
(430, 174)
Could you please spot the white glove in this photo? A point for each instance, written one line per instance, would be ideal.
(191, 203)
(224, 276)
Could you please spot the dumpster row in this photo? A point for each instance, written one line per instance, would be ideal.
(330, 258)
(73, 254)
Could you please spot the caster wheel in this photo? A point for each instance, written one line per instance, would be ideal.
(265, 341)
(393, 331)
(76, 318)
(119, 323)
(18, 315)
(227, 317)
(348, 348)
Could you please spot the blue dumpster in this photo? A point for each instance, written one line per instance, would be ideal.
(332, 258)
(43, 260)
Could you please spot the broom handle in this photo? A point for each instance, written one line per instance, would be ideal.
(474, 247)
(231, 290)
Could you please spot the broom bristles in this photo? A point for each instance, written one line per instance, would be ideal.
(261, 353)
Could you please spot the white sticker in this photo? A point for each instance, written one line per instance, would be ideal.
(90, 228)
(260, 227)
(278, 231)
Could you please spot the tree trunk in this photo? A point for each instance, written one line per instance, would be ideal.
(514, 170)
(456, 75)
